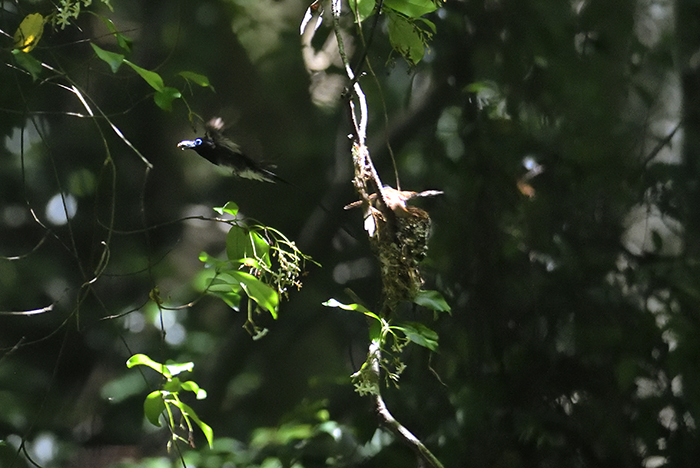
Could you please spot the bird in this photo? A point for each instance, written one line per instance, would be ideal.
(396, 199)
(219, 150)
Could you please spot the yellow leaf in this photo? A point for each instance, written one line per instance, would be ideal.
(29, 32)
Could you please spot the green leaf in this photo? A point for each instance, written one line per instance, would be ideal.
(192, 386)
(243, 244)
(357, 307)
(153, 407)
(112, 59)
(29, 32)
(419, 334)
(375, 331)
(238, 243)
(197, 79)
(334, 303)
(432, 300)
(204, 257)
(224, 282)
(264, 295)
(189, 412)
(230, 297)
(143, 360)
(29, 63)
(122, 41)
(230, 208)
(176, 368)
(173, 385)
(216, 263)
(165, 97)
(152, 78)
(252, 263)
(412, 8)
(428, 23)
(109, 5)
(262, 248)
(364, 8)
(405, 39)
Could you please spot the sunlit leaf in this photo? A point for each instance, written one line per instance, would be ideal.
(173, 385)
(357, 307)
(206, 281)
(29, 32)
(226, 288)
(216, 263)
(246, 247)
(153, 407)
(238, 243)
(193, 387)
(412, 8)
(176, 368)
(143, 360)
(262, 248)
(150, 77)
(112, 59)
(165, 97)
(252, 263)
(375, 330)
(405, 39)
(230, 208)
(264, 295)
(197, 79)
(205, 428)
(204, 257)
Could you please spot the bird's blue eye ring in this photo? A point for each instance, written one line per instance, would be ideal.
(198, 141)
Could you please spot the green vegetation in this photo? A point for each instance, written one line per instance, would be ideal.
(487, 255)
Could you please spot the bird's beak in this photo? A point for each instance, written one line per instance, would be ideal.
(185, 144)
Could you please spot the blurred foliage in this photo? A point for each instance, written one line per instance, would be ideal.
(564, 135)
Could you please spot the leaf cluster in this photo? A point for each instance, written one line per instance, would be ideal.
(390, 338)
(163, 401)
(409, 32)
(261, 264)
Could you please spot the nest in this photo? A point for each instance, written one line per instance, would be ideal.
(400, 244)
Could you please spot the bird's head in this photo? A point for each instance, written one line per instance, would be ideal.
(197, 143)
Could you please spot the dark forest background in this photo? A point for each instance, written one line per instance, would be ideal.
(564, 134)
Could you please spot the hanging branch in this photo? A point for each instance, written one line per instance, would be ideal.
(398, 234)
(390, 421)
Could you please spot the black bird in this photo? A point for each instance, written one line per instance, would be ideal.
(216, 148)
